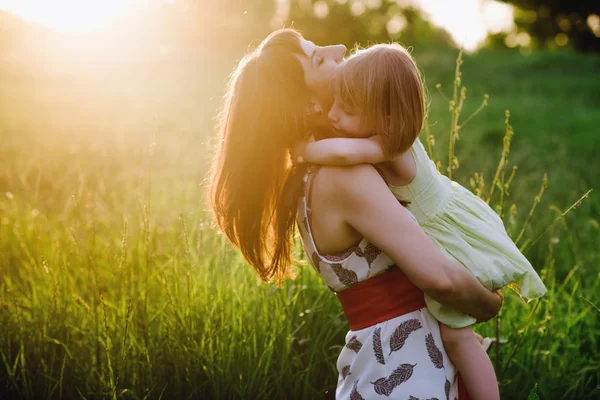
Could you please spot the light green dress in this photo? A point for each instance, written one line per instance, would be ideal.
(465, 228)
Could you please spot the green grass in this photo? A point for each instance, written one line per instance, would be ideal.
(553, 99)
(114, 285)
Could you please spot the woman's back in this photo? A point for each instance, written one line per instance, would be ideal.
(346, 257)
(330, 232)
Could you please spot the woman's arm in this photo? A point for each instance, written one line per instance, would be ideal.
(368, 206)
(340, 151)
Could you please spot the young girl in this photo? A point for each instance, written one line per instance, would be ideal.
(379, 103)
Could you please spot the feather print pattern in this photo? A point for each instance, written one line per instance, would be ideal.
(385, 386)
(354, 344)
(402, 332)
(447, 389)
(354, 395)
(346, 371)
(316, 260)
(416, 398)
(435, 355)
(346, 276)
(377, 346)
(370, 253)
(306, 225)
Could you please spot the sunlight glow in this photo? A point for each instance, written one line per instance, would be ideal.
(69, 15)
(593, 22)
(469, 21)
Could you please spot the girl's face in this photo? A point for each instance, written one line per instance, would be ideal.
(346, 123)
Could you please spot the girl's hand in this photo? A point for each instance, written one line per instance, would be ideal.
(298, 150)
(377, 140)
(497, 308)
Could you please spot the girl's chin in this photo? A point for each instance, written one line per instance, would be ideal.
(339, 132)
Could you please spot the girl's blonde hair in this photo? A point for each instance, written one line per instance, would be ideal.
(383, 85)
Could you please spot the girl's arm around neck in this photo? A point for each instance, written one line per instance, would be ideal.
(368, 206)
(343, 151)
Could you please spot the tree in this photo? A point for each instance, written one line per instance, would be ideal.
(363, 22)
(560, 21)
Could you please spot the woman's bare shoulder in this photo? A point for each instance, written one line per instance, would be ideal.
(349, 179)
(341, 177)
(349, 185)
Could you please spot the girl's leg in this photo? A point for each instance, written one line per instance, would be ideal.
(472, 362)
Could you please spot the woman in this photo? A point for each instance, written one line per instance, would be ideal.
(279, 94)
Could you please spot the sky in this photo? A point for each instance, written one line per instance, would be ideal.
(467, 21)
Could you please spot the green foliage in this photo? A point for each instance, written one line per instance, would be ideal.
(545, 19)
(342, 25)
(497, 196)
(533, 394)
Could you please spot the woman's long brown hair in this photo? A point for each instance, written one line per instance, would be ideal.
(254, 189)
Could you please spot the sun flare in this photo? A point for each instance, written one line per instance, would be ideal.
(68, 15)
(469, 21)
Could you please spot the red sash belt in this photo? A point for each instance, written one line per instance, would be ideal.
(381, 298)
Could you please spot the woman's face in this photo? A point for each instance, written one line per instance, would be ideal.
(320, 64)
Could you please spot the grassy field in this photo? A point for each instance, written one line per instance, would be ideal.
(114, 284)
